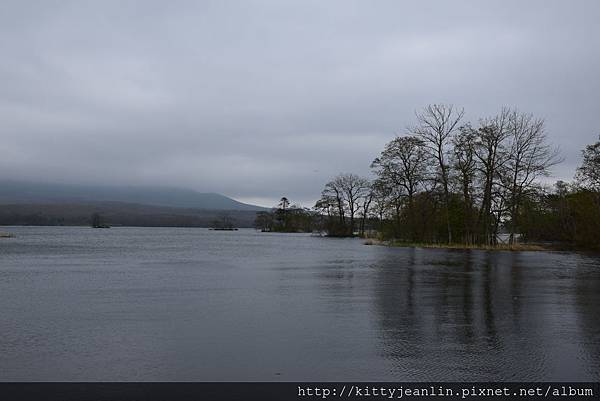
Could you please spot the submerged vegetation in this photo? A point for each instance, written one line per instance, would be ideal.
(450, 183)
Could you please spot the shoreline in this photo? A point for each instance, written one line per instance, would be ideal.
(499, 247)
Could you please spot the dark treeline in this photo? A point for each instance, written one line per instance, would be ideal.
(570, 213)
(286, 217)
(448, 181)
(118, 214)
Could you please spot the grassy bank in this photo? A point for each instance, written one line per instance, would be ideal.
(499, 247)
(6, 235)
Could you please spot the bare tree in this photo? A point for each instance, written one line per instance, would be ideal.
(263, 221)
(435, 125)
(344, 193)
(353, 189)
(529, 157)
(381, 199)
(333, 195)
(324, 205)
(326, 208)
(465, 165)
(588, 174)
(402, 167)
(364, 206)
(491, 155)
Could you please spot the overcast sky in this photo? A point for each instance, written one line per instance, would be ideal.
(259, 99)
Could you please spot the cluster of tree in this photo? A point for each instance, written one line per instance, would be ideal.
(97, 221)
(345, 205)
(447, 181)
(286, 217)
(570, 213)
(224, 221)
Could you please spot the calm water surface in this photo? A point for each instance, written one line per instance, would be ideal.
(192, 304)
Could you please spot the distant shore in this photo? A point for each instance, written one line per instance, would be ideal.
(6, 235)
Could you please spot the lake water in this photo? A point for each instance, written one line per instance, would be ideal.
(197, 305)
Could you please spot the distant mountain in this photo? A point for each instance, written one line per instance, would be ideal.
(19, 192)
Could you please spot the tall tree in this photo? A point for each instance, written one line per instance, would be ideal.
(491, 155)
(333, 196)
(364, 207)
(284, 204)
(588, 174)
(264, 221)
(344, 194)
(402, 167)
(435, 125)
(353, 189)
(529, 157)
(465, 166)
(381, 199)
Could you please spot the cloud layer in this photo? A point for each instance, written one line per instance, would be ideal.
(259, 99)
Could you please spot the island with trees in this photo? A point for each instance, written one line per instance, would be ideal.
(287, 217)
(450, 183)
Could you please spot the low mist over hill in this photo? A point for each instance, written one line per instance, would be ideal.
(17, 192)
(23, 203)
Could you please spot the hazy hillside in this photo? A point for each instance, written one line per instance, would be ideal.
(16, 192)
(119, 214)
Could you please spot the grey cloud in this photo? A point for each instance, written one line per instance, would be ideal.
(257, 99)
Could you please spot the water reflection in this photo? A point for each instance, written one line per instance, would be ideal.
(588, 308)
(188, 304)
(476, 314)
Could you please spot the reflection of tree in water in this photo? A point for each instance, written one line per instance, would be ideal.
(466, 302)
(449, 314)
(587, 298)
(476, 315)
(402, 327)
(490, 326)
(516, 280)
